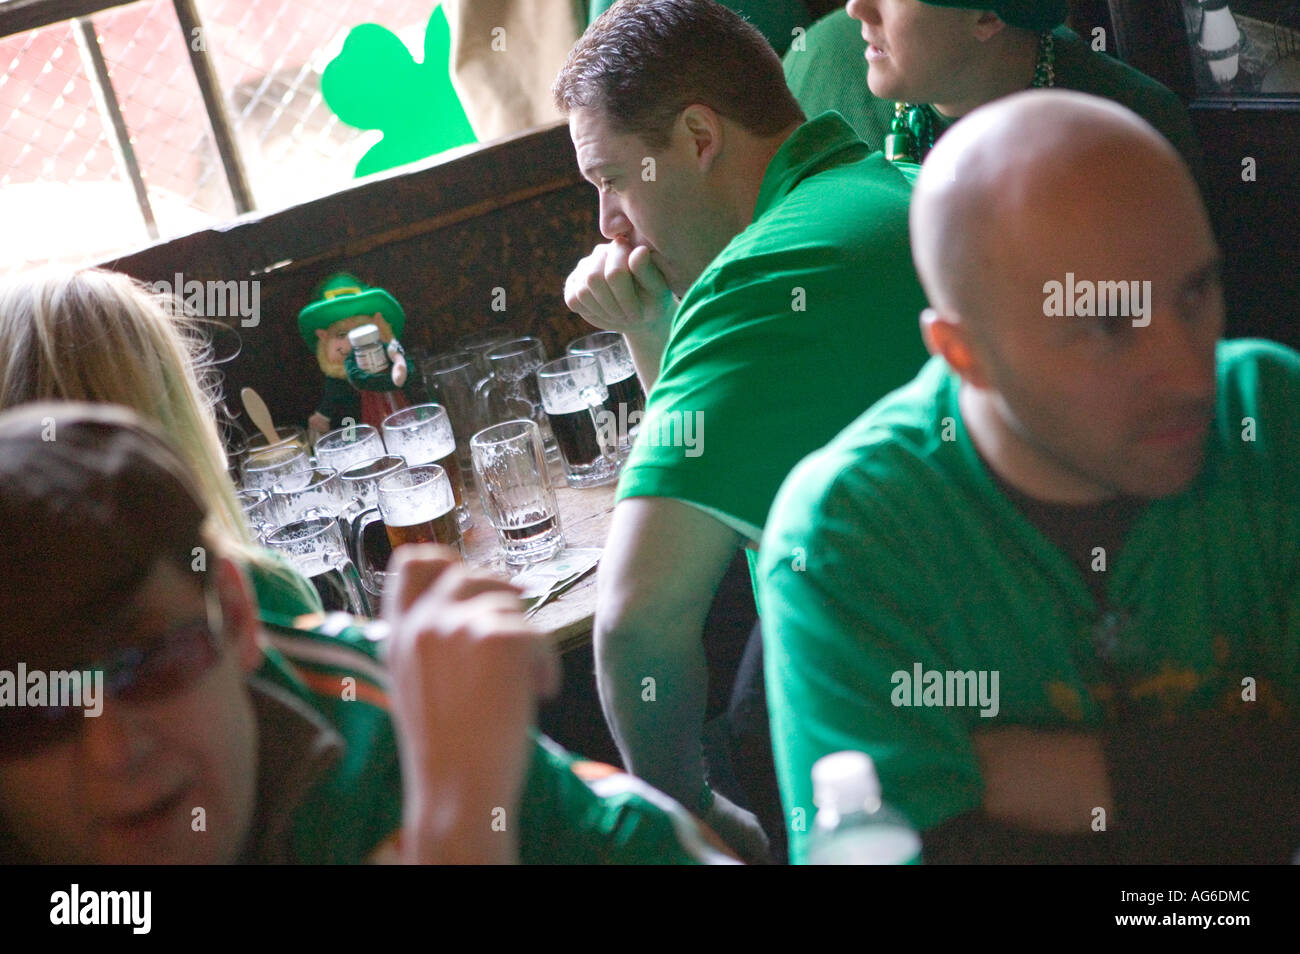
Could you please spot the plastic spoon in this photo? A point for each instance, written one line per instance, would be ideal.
(259, 414)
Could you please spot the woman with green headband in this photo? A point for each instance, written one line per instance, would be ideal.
(902, 71)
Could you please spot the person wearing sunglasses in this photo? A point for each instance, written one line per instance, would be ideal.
(220, 737)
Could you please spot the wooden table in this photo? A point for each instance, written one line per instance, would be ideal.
(584, 520)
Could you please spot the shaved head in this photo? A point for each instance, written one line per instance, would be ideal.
(1074, 286)
(1022, 168)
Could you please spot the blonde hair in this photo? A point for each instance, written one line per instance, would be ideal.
(95, 335)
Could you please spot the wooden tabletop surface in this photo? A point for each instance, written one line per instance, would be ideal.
(584, 520)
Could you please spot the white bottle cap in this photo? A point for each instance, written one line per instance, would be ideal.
(845, 782)
(364, 335)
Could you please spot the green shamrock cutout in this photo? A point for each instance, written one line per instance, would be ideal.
(374, 83)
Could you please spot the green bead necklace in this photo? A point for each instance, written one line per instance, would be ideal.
(911, 134)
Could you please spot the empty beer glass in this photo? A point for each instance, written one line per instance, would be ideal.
(361, 480)
(451, 379)
(346, 446)
(258, 512)
(316, 492)
(479, 344)
(367, 539)
(262, 469)
(515, 488)
(512, 388)
(317, 550)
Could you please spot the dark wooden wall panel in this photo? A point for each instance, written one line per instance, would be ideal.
(514, 215)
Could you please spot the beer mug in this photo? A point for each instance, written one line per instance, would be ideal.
(316, 492)
(451, 380)
(511, 391)
(418, 506)
(361, 480)
(515, 488)
(316, 548)
(259, 512)
(479, 344)
(346, 446)
(574, 399)
(284, 435)
(262, 469)
(626, 401)
(423, 435)
(367, 541)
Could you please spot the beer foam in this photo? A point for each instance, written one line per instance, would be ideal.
(570, 401)
(423, 447)
(428, 503)
(614, 365)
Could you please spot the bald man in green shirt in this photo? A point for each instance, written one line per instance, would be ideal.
(1052, 586)
(786, 243)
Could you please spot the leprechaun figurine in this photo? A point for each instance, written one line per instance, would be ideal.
(341, 308)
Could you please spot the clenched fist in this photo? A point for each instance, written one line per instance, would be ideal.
(619, 288)
(467, 671)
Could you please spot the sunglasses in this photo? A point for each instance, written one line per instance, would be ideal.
(142, 673)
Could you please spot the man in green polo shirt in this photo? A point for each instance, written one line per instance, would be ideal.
(1052, 586)
(786, 243)
(199, 734)
(942, 58)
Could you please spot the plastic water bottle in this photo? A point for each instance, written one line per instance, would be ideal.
(853, 826)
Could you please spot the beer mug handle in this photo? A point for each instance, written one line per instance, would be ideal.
(347, 519)
(606, 437)
(353, 531)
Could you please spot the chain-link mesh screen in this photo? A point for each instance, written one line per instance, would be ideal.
(64, 194)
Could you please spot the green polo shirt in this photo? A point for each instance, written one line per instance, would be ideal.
(802, 322)
(829, 71)
(893, 549)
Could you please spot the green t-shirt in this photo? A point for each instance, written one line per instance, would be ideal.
(775, 19)
(330, 791)
(892, 549)
(801, 323)
(829, 71)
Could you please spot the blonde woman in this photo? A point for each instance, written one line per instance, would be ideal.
(94, 335)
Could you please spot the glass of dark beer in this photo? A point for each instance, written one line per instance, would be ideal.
(423, 435)
(626, 401)
(515, 487)
(418, 506)
(573, 396)
(316, 549)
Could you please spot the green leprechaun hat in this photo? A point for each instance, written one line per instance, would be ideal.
(342, 296)
(1036, 15)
